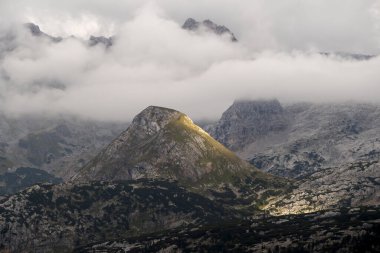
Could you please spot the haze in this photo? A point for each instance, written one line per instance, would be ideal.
(155, 62)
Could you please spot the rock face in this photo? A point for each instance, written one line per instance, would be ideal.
(193, 25)
(247, 121)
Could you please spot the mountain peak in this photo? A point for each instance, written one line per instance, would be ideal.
(193, 25)
(190, 24)
(164, 143)
(102, 40)
(154, 118)
(36, 31)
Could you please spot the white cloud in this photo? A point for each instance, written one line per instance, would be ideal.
(154, 61)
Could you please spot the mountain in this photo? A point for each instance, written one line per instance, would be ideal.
(101, 40)
(300, 138)
(92, 41)
(209, 26)
(36, 31)
(58, 145)
(22, 178)
(165, 184)
(162, 143)
(163, 172)
(349, 56)
(333, 150)
(190, 24)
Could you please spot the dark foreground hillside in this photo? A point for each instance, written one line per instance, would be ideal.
(345, 230)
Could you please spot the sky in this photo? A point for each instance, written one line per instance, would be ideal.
(155, 62)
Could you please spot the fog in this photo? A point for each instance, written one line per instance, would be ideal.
(155, 62)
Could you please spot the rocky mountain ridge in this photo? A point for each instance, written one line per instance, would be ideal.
(209, 26)
(190, 24)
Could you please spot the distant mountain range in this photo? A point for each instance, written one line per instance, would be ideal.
(333, 150)
(58, 145)
(192, 25)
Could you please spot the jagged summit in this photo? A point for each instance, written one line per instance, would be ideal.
(193, 25)
(92, 41)
(36, 31)
(102, 40)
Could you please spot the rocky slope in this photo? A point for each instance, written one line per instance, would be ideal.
(59, 145)
(297, 139)
(163, 143)
(332, 149)
(350, 185)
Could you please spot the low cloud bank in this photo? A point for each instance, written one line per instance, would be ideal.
(154, 61)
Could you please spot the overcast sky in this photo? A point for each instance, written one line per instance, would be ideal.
(155, 62)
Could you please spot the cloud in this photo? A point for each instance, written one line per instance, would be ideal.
(155, 62)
